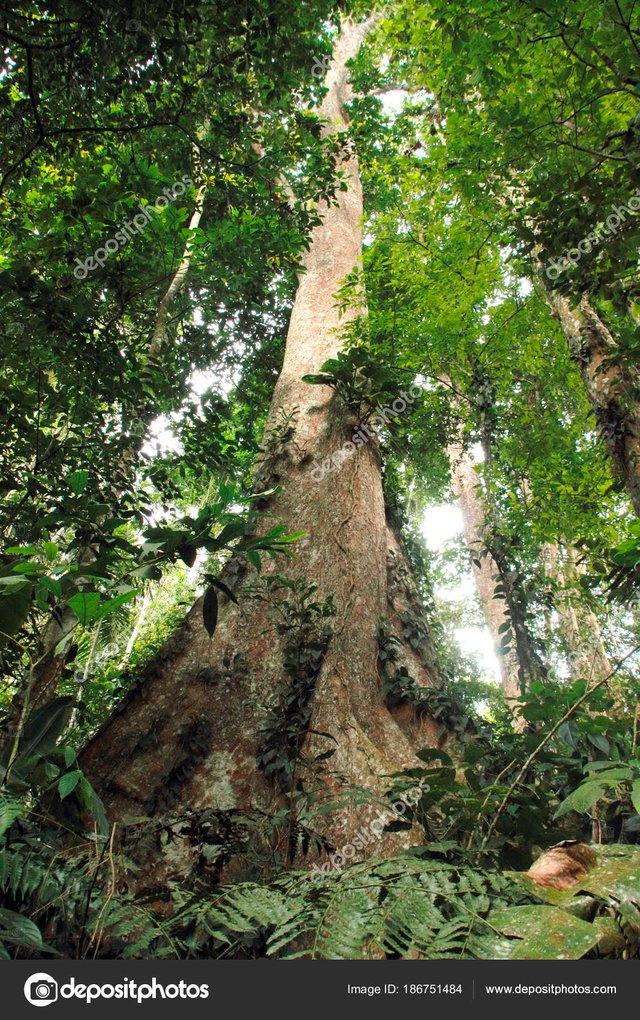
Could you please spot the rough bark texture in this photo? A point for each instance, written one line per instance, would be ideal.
(614, 392)
(191, 735)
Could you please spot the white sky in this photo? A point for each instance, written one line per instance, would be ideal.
(440, 525)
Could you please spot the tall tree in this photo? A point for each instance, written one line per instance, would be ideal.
(580, 628)
(93, 354)
(260, 704)
(560, 169)
(465, 483)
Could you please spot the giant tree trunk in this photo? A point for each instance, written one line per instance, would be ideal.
(191, 736)
(613, 392)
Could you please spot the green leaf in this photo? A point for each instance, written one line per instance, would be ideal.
(67, 783)
(293, 537)
(118, 600)
(94, 805)
(223, 588)
(14, 608)
(319, 379)
(10, 809)
(569, 734)
(147, 573)
(50, 551)
(600, 742)
(544, 933)
(231, 531)
(429, 754)
(187, 553)
(325, 755)
(85, 605)
(582, 799)
(254, 559)
(51, 584)
(44, 727)
(78, 480)
(21, 931)
(635, 795)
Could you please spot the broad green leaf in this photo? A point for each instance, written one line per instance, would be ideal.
(14, 608)
(94, 805)
(544, 933)
(582, 799)
(78, 481)
(617, 874)
(50, 551)
(21, 931)
(85, 605)
(111, 604)
(45, 726)
(67, 783)
(600, 741)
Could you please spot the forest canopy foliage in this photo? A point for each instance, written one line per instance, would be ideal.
(166, 169)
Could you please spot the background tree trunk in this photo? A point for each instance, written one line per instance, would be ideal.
(613, 394)
(499, 588)
(465, 483)
(580, 629)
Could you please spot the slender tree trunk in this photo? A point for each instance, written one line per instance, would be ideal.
(613, 392)
(465, 483)
(580, 630)
(191, 736)
(499, 587)
(133, 637)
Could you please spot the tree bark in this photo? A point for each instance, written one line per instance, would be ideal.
(613, 392)
(499, 587)
(191, 736)
(587, 658)
(465, 483)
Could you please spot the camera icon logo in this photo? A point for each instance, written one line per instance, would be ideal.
(41, 989)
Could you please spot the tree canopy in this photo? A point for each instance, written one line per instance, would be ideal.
(164, 170)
